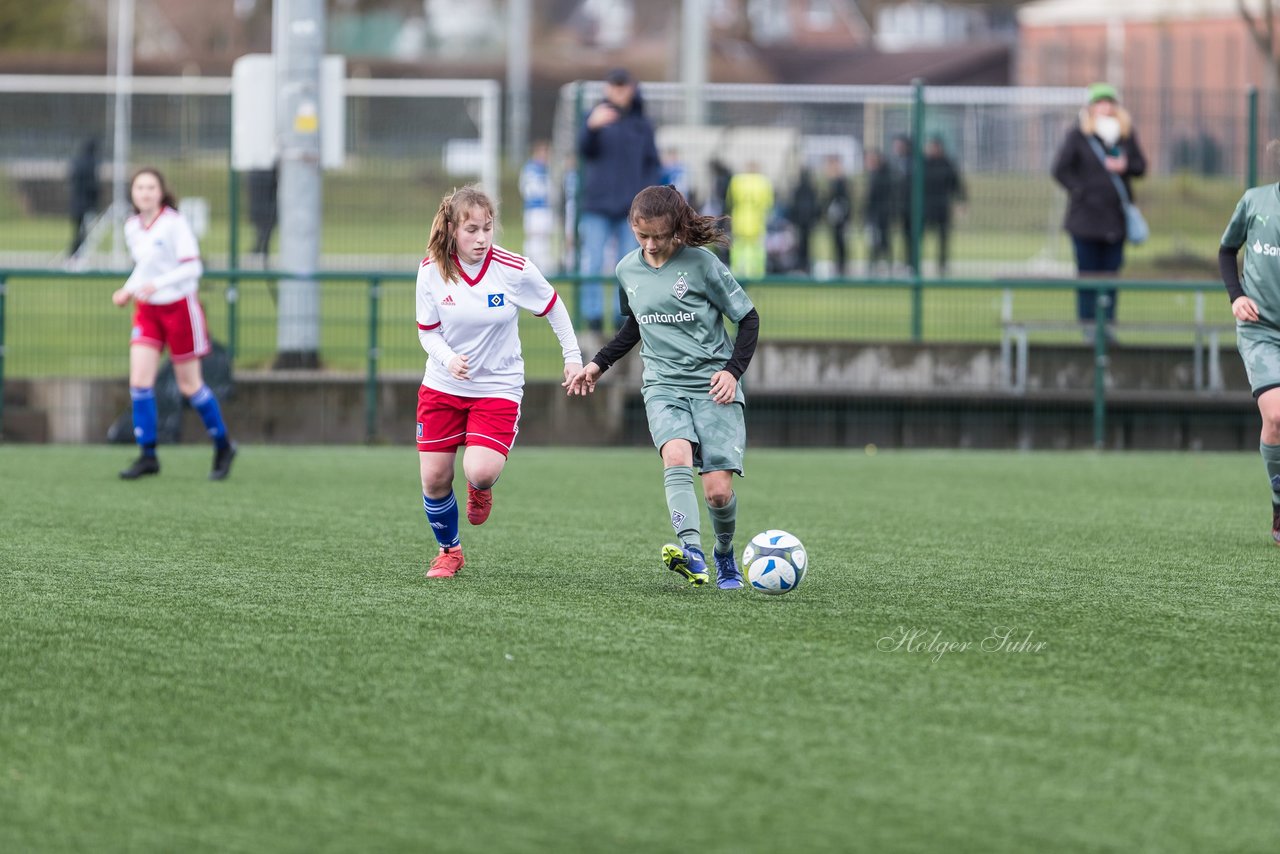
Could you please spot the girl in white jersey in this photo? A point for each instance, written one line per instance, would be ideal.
(469, 294)
(163, 286)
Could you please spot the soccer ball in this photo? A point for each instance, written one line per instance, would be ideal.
(775, 562)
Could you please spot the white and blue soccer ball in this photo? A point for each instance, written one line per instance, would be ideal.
(775, 562)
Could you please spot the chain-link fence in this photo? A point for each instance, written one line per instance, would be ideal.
(1002, 141)
(407, 143)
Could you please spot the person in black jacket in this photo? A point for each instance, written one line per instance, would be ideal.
(902, 168)
(942, 188)
(620, 158)
(839, 210)
(877, 210)
(264, 184)
(84, 191)
(1103, 143)
(804, 212)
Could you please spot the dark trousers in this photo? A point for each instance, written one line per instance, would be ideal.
(78, 230)
(1095, 257)
(943, 227)
(840, 246)
(910, 249)
(804, 236)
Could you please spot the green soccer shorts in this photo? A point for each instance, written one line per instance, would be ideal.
(1259, 347)
(718, 432)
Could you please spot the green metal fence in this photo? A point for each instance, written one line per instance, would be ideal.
(55, 324)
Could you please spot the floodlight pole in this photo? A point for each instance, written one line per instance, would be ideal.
(121, 122)
(518, 26)
(693, 60)
(299, 44)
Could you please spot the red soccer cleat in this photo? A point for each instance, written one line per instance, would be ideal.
(447, 563)
(479, 503)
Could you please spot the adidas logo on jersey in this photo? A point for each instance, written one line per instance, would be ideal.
(448, 300)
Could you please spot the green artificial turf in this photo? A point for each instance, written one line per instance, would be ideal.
(259, 665)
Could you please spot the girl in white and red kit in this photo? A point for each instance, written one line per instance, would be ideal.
(469, 295)
(167, 313)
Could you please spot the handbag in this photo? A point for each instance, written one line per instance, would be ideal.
(1135, 224)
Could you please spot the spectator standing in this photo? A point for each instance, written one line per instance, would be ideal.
(1101, 144)
(902, 168)
(750, 201)
(803, 213)
(877, 209)
(716, 204)
(535, 192)
(838, 212)
(84, 191)
(942, 188)
(620, 158)
(264, 184)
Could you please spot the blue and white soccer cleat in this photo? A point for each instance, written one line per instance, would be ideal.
(727, 575)
(687, 562)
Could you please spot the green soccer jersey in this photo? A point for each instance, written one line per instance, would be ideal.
(1255, 227)
(681, 308)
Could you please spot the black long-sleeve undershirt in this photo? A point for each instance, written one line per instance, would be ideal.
(744, 346)
(1230, 272)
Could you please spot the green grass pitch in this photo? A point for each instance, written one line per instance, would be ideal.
(259, 665)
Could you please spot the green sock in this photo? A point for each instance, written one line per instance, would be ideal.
(724, 521)
(1271, 457)
(683, 504)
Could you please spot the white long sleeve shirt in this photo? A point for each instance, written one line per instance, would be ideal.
(478, 316)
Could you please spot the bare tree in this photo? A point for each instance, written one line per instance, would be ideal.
(1262, 30)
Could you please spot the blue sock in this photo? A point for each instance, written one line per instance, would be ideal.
(442, 513)
(204, 402)
(144, 418)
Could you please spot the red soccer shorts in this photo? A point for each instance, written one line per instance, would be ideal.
(446, 421)
(180, 325)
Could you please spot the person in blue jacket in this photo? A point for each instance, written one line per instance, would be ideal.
(619, 155)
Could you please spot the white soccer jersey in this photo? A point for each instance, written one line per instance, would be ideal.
(478, 317)
(160, 248)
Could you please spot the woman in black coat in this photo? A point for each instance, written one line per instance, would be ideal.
(1103, 143)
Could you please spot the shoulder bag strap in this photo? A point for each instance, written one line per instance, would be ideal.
(1115, 179)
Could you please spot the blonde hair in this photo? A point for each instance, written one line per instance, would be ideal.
(453, 210)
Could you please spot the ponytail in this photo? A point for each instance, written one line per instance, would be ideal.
(687, 225)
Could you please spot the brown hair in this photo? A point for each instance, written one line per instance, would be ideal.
(452, 212)
(687, 225)
(167, 198)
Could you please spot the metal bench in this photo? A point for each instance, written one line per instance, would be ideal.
(1206, 338)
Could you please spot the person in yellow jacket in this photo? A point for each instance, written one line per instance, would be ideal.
(750, 199)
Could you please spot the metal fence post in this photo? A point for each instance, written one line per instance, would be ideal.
(3, 291)
(1100, 368)
(1251, 176)
(917, 210)
(579, 117)
(371, 377)
(233, 263)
